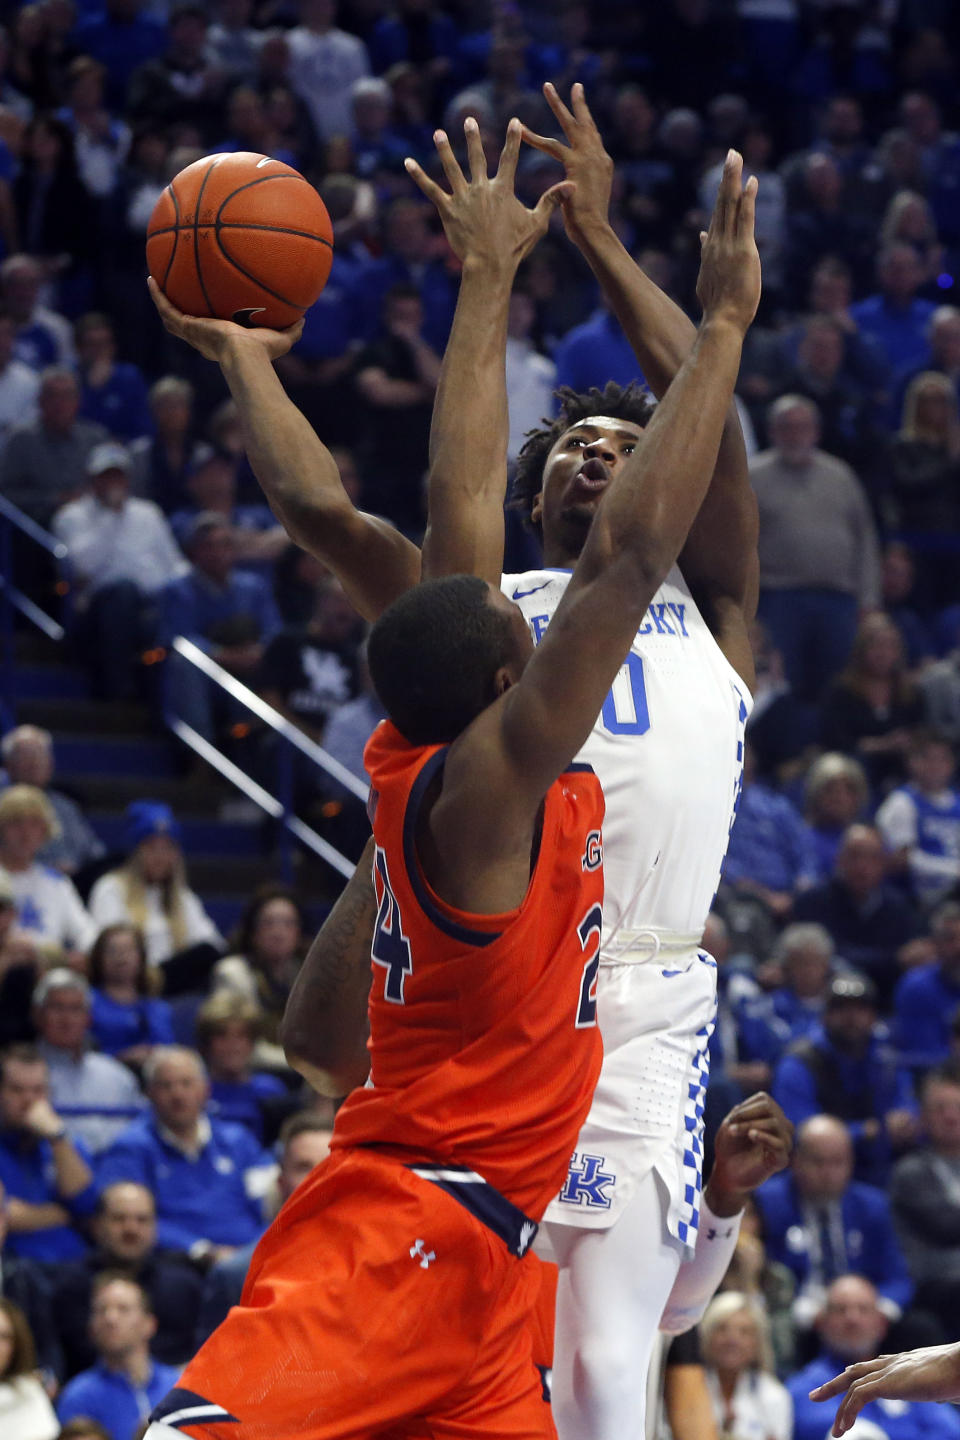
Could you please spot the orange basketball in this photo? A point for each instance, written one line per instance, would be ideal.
(240, 237)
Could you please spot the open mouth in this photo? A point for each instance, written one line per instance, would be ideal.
(591, 479)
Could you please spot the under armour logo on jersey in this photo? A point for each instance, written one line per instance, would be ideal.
(527, 1231)
(416, 1249)
(593, 855)
(585, 1183)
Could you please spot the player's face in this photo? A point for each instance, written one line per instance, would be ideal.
(578, 472)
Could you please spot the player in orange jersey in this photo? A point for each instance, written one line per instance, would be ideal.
(391, 1294)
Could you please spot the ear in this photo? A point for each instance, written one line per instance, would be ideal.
(502, 681)
(536, 509)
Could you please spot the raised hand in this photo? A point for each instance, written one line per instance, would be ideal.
(753, 1143)
(482, 217)
(584, 158)
(728, 286)
(929, 1374)
(212, 337)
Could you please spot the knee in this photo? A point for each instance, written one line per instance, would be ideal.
(608, 1372)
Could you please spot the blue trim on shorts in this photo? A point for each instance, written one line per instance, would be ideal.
(515, 1229)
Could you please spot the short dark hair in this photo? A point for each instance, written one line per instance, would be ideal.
(303, 1122)
(433, 655)
(114, 1277)
(21, 1051)
(621, 402)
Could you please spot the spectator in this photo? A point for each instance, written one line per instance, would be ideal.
(227, 612)
(121, 38)
(120, 555)
(927, 999)
(819, 558)
(161, 461)
(843, 404)
(58, 217)
(894, 316)
(94, 1095)
(126, 1019)
(874, 928)
(770, 854)
(27, 754)
(232, 43)
(909, 220)
(304, 1142)
(781, 727)
(44, 337)
(324, 64)
(531, 377)
(594, 352)
(821, 1223)
(345, 739)
(100, 141)
(872, 705)
(835, 795)
(211, 482)
(227, 1029)
(847, 1070)
(852, 1327)
(43, 464)
(25, 1411)
(47, 1179)
(21, 958)
(309, 672)
(123, 1386)
(48, 906)
(924, 462)
(944, 358)
(748, 1400)
(768, 1284)
(208, 1177)
(24, 1283)
(805, 956)
(269, 947)
(114, 393)
(19, 384)
(182, 86)
(901, 604)
(920, 821)
(124, 1230)
(150, 891)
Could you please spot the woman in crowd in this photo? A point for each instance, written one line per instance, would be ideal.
(873, 703)
(748, 1400)
(228, 1027)
(25, 1411)
(836, 794)
(150, 892)
(269, 950)
(48, 906)
(921, 501)
(909, 221)
(767, 1284)
(126, 1018)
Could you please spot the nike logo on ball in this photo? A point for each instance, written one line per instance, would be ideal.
(267, 160)
(245, 317)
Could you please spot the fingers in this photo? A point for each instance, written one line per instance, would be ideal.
(724, 210)
(475, 155)
(746, 209)
(581, 109)
(449, 162)
(545, 143)
(550, 199)
(423, 182)
(567, 121)
(507, 169)
(169, 314)
(861, 1392)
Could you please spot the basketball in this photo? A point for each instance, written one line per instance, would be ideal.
(240, 237)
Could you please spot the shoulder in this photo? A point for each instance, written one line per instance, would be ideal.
(870, 1201)
(806, 1379)
(234, 1138)
(775, 1194)
(108, 886)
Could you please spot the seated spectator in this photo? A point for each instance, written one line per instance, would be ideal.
(44, 337)
(805, 956)
(95, 1096)
(126, 1018)
(324, 63)
(845, 407)
(43, 464)
(47, 1179)
(835, 797)
(901, 603)
(25, 1410)
(872, 927)
(596, 351)
(919, 497)
(48, 906)
(531, 376)
(894, 316)
(909, 221)
(768, 1284)
(27, 754)
(822, 224)
(309, 672)
(100, 141)
(121, 37)
(232, 43)
(123, 1386)
(114, 393)
(927, 999)
(920, 821)
(150, 891)
(120, 555)
(228, 613)
(25, 1284)
(19, 384)
(22, 959)
(939, 686)
(852, 1327)
(846, 1069)
(926, 1204)
(183, 86)
(124, 1230)
(268, 950)
(872, 706)
(821, 1223)
(211, 483)
(161, 460)
(780, 727)
(944, 357)
(304, 1142)
(770, 854)
(227, 1029)
(345, 738)
(748, 1400)
(410, 262)
(819, 558)
(208, 1177)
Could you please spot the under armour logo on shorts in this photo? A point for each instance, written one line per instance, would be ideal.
(425, 1256)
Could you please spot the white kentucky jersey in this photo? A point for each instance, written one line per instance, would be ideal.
(668, 748)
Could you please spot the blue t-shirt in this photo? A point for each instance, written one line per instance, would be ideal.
(240, 1101)
(112, 1399)
(117, 1026)
(27, 1173)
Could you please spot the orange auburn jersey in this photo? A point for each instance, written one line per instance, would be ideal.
(484, 1045)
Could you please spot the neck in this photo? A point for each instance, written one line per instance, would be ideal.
(186, 1133)
(124, 990)
(14, 860)
(728, 1382)
(134, 1363)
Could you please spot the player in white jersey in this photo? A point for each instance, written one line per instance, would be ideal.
(667, 744)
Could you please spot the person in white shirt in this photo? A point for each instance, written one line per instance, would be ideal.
(324, 63)
(920, 821)
(19, 385)
(25, 1411)
(748, 1400)
(530, 375)
(48, 907)
(120, 553)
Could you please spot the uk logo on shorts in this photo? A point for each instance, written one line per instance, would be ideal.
(586, 1183)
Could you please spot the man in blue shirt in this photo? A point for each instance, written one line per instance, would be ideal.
(927, 998)
(122, 1388)
(852, 1328)
(595, 352)
(896, 319)
(208, 1177)
(771, 852)
(47, 1177)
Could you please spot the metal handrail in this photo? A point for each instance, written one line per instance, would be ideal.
(13, 518)
(36, 532)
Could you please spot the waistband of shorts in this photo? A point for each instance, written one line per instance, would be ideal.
(637, 947)
(516, 1230)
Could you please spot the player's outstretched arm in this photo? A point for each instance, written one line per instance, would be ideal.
(299, 476)
(719, 558)
(508, 758)
(490, 232)
(929, 1374)
(324, 1030)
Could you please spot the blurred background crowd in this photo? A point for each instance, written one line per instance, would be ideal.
(149, 1127)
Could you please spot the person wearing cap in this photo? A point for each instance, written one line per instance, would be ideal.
(845, 1068)
(43, 462)
(48, 906)
(150, 891)
(120, 553)
(211, 483)
(95, 1095)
